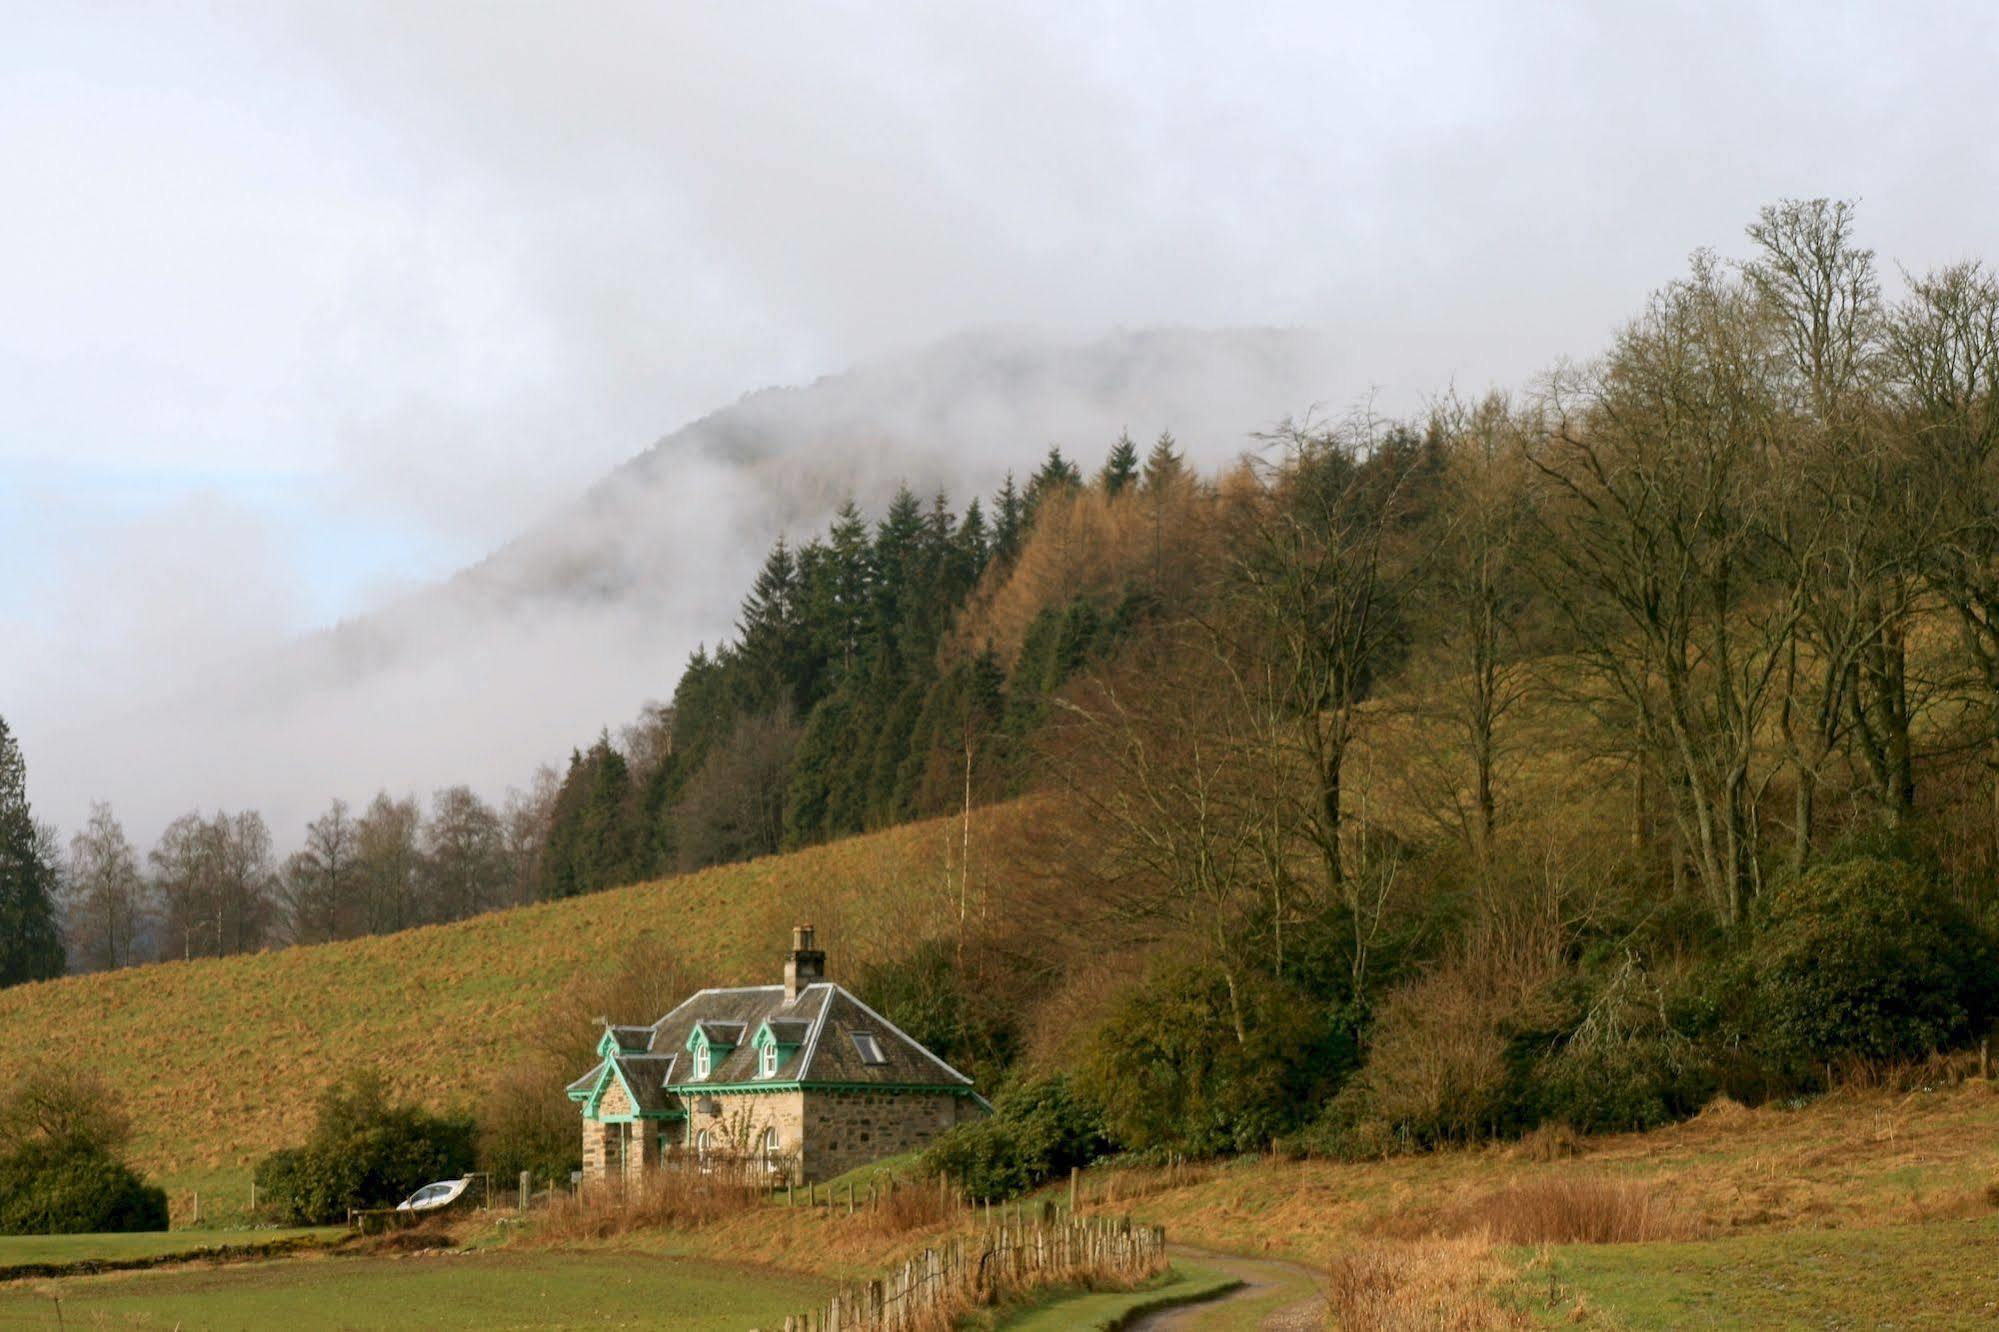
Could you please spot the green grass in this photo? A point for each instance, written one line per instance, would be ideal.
(1936, 1274)
(17, 1250)
(221, 1060)
(499, 1289)
(1182, 1283)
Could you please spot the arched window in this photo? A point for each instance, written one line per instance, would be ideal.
(701, 1146)
(768, 1068)
(770, 1149)
(701, 1063)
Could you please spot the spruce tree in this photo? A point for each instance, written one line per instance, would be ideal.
(1121, 468)
(30, 942)
(1055, 476)
(972, 545)
(1009, 518)
(1163, 466)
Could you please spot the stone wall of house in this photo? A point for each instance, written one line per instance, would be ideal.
(736, 1124)
(847, 1129)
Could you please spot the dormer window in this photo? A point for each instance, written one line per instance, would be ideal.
(701, 1064)
(767, 1065)
(869, 1049)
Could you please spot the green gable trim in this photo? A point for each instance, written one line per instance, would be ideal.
(764, 1037)
(774, 1085)
(594, 1098)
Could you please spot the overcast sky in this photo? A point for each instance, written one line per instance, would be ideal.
(302, 305)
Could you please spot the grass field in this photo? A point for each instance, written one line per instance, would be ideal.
(18, 1250)
(221, 1060)
(476, 1290)
(1937, 1274)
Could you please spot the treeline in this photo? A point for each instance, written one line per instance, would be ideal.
(213, 886)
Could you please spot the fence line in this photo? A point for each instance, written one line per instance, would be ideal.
(971, 1270)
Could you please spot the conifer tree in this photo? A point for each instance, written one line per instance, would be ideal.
(1120, 468)
(1055, 476)
(1163, 466)
(972, 545)
(1009, 518)
(30, 942)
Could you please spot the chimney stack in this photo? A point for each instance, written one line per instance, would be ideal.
(805, 965)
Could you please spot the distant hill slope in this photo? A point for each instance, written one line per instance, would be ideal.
(221, 1060)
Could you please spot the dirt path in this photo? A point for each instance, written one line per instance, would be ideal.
(1275, 1296)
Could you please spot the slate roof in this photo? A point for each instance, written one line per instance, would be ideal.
(820, 1024)
(633, 1038)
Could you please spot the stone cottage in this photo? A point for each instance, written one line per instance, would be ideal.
(801, 1080)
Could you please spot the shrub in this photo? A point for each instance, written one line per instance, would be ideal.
(60, 1173)
(1447, 1062)
(364, 1152)
(1616, 1061)
(1037, 1131)
(74, 1188)
(1869, 959)
(1170, 1073)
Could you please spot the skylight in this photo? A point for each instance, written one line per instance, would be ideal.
(870, 1049)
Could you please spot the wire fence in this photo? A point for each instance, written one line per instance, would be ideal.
(933, 1287)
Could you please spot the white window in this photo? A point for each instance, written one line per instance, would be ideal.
(869, 1048)
(768, 1067)
(701, 1063)
(701, 1146)
(770, 1149)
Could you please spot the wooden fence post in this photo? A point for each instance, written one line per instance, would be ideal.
(527, 1190)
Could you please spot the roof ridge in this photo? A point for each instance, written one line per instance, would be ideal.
(818, 1025)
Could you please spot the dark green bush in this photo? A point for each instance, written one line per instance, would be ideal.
(72, 1188)
(1614, 1061)
(1869, 959)
(61, 1133)
(1037, 1131)
(365, 1151)
(1171, 1074)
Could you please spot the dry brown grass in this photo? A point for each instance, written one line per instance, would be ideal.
(668, 1199)
(1438, 1284)
(918, 1207)
(1549, 1142)
(1572, 1209)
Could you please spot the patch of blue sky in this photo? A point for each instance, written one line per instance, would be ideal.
(343, 560)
